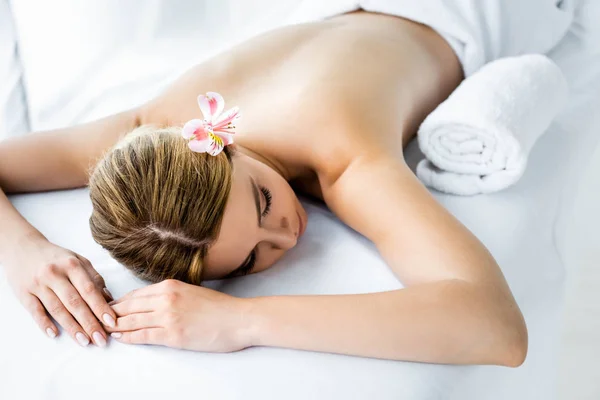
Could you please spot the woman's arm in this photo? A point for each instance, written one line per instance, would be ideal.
(51, 160)
(61, 158)
(448, 322)
(456, 307)
(47, 279)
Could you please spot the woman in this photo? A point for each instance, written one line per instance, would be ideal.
(327, 109)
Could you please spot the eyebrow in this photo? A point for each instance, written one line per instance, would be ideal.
(256, 201)
(256, 196)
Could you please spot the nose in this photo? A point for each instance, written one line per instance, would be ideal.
(281, 237)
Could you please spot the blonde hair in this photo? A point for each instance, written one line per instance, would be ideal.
(157, 205)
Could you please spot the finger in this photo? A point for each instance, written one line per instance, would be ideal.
(141, 292)
(96, 278)
(37, 310)
(143, 336)
(94, 275)
(79, 309)
(133, 322)
(135, 305)
(92, 296)
(58, 311)
(107, 294)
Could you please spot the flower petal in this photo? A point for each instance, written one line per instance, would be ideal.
(190, 129)
(217, 103)
(215, 145)
(199, 146)
(228, 117)
(227, 137)
(211, 105)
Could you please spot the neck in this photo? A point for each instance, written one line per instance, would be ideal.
(274, 164)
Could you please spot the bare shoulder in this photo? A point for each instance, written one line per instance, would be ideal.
(380, 197)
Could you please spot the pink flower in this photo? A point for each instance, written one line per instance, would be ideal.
(216, 130)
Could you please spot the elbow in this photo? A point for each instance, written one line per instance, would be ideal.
(516, 353)
(507, 339)
(516, 342)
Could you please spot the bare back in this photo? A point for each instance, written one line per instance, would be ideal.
(312, 97)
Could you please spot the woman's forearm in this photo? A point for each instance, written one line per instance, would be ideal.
(452, 322)
(13, 227)
(61, 158)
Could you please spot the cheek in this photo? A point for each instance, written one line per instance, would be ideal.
(288, 198)
(270, 260)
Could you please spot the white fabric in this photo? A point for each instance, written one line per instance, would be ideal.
(479, 31)
(13, 106)
(478, 140)
(78, 54)
(522, 226)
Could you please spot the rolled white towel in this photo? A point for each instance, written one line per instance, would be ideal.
(478, 140)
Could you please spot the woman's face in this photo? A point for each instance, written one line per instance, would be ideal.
(263, 219)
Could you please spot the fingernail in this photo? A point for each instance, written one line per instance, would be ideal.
(108, 293)
(116, 335)
(109, 320)
(82, 339)
(51, 333)
(99, 339)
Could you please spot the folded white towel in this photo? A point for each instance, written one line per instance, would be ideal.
(478, 140)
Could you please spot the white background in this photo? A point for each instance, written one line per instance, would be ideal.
(580, 359)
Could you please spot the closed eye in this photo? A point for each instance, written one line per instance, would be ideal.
(247, 266)
(268, 198)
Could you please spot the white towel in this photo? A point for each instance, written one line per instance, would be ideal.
(478, 140)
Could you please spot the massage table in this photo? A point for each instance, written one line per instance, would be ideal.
(78, 61)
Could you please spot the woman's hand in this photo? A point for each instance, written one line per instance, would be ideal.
(49, 278)
(176, 314)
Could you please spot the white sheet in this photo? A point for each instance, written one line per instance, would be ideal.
(478, 31)
(522, 227)
(13, 106)
(84, 60)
